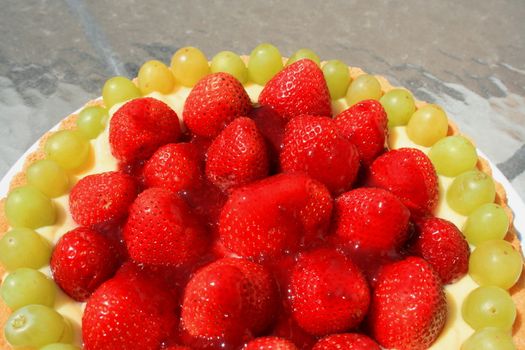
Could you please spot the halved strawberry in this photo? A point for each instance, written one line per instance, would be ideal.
(270, 343)
(346, 341)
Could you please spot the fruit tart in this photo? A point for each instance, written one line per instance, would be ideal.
(258, 203)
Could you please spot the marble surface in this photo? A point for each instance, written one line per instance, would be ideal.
(468, 56)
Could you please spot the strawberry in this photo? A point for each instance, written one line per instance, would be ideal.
(162, 230)
(177, 347)
(270, 343)
(298, 89)
(440, 243)
(346, 341)
(213, 103)
(409, 308)
(131, 311)
(365, 124)
(327, 292)
(141, 126)
(206, 201)
(286, 327)
(409, 174)
(370, 220)
(271, 125)
(82, 260)
(227, 301)
(237, 156)
(174, 166)
(102, 199)
(313, 145)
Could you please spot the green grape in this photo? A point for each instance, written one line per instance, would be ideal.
(399, 106)
(471, 190)
(489, 339)
(427, 125)
(453, 155)
(69, 148)
(489, 307)
(364, 87)
(337, 78)
(68, 335)
(265, 61)
(229, 62)
(189, 65)
(117, 90)
(22, 247)
(155, 76)
(92, 121)
(47, 176)
(35, 326)
(304, 53)
(485, 223)
(27, 286)
(60, 346)
(495, 263)
(28, 207)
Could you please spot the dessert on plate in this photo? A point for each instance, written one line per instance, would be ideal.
(258, 203)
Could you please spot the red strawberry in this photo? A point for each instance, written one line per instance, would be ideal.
(227, 301)
(213, 103)
(141, 126)
(409, 174)
(162, 230)
(177, 347)
(313, 145)
(370, 220)
(287, 328)
(298, 89)
(271, 125)
(82, 260)
(206, 201)
(409, 308)
(440, 243)
(346, 341)
(270, 343)
(237, 156)
(327, 292)
(174, 166)
(365, 124)
(102, 198)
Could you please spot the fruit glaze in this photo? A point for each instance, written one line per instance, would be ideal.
(258, 203)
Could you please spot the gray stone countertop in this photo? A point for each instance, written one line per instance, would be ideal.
(468, 56)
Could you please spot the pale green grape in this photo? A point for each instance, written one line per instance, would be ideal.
(92, 121)
(470, 190)
(229, 62)
(35, 326)
(495, 263)
(27, 207)
(265, 61)
(489, 339)
(155, 76)
(27, 286)
(337, 78)
(22, 247)
(399, 106)
(68, 335)
(364, 87)
(189, 65)
(303, 53)
(117, 90)
(60, 346)
(485, 223)
(428, 125)
(69, 148)
(489, 307)
(49, 177)
(453, 155)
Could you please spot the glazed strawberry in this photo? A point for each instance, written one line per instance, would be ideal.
(409, 174)
(286, 327)
(162, 230)
(440, 243)
(408, 309)
(213, 103)
(175, 166)
(141, 126)
(82, 260)
(271, 126)
(237, 156)
(313, 145)
(177, 347)
(346, 341)
(102, 198)
(270, 343)
(327, 292)
(370, 220)
(298, 89)
(365, 124)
